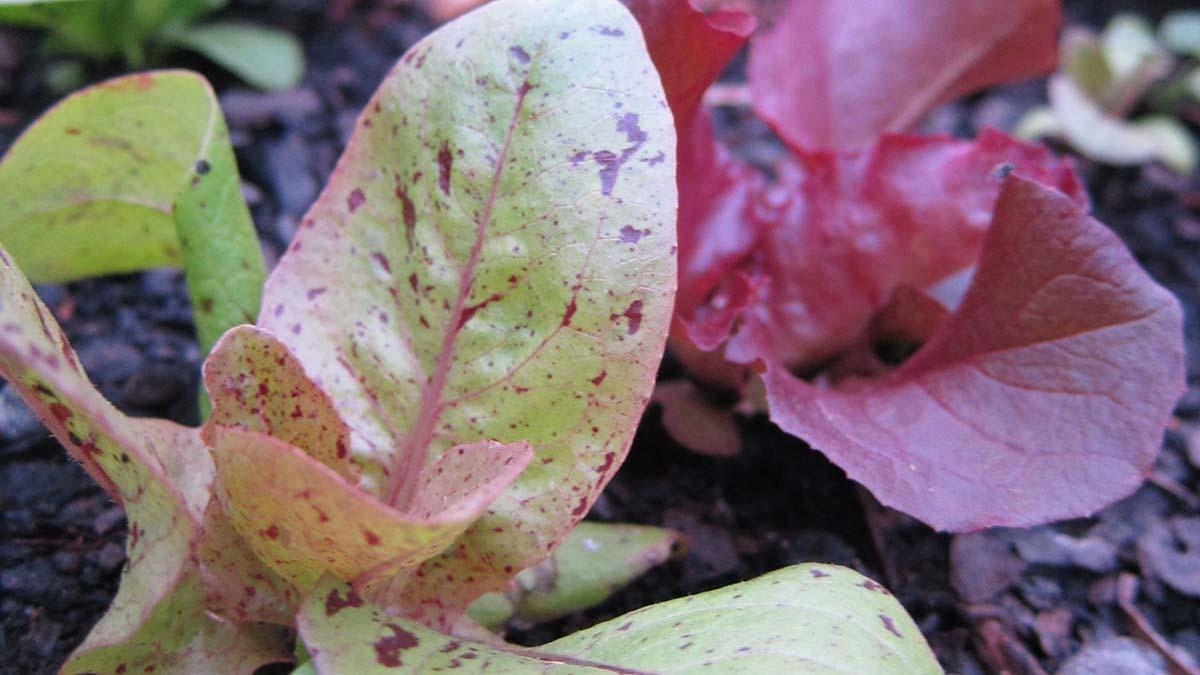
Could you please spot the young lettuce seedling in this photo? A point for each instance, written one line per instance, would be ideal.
(159, 187)
(448, 367)
(140, 31)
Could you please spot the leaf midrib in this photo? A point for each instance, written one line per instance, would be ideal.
(405, 471)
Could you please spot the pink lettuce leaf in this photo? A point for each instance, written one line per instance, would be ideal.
(1042, 397)
(832, 75)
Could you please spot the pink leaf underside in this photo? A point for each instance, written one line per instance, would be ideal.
(159, 471)
(306, 519)
(1059, 370)
(493, 260)
(838, 234)
(832, 75)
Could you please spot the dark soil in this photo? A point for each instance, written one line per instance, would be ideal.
(1022, 601)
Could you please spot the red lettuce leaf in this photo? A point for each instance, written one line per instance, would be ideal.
(838, 234)
(836, 75)
(1042, 397)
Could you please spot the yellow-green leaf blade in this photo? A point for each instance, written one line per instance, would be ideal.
(813, 619)
(133, 173)
(494, 260)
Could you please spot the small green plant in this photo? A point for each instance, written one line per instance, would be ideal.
(159, 188)
(1104, 78)
(141, 31)
(448, 366)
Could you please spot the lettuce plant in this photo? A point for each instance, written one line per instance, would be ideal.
(1046, 361)
(1103, 78)
(448, 366)
(142, 30)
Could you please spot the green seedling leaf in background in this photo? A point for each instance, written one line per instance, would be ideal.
(102, 29)
(131, 174)
(161, 474)
(140, 31)
(492, 260)
(268, 59)
(1180, 32)
(813, 619)
(1102, 79)
(1130, 45)
(593, 562)
(1114, 141)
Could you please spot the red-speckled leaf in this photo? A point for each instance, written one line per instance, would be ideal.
(832, 75)
(307, 519)
(493, 260)
(809, 619)
(256, 384)
(240, 588)
(1043, 396)
(178, 638)
(843, 232)
(159, 472)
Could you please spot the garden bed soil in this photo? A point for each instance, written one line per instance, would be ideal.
(1024, 601)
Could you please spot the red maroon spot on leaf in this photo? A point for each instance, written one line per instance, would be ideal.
(609, 457)
(387, 649)
(335, 603)
(631, 235)
(445, 162)
(355, 200)
(372, 538)
(600, 378)
(409, 212)
(60, 412)
(890, 625)
(570, 312)
(469, 312)
(633, 314)
(519, 54)
(314, 293)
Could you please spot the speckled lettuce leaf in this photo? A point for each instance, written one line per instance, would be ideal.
(593, 562)
(307, 519)
(256, 384)
(493, 261)
(812, 619)
(130, 174)
(161, 474)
